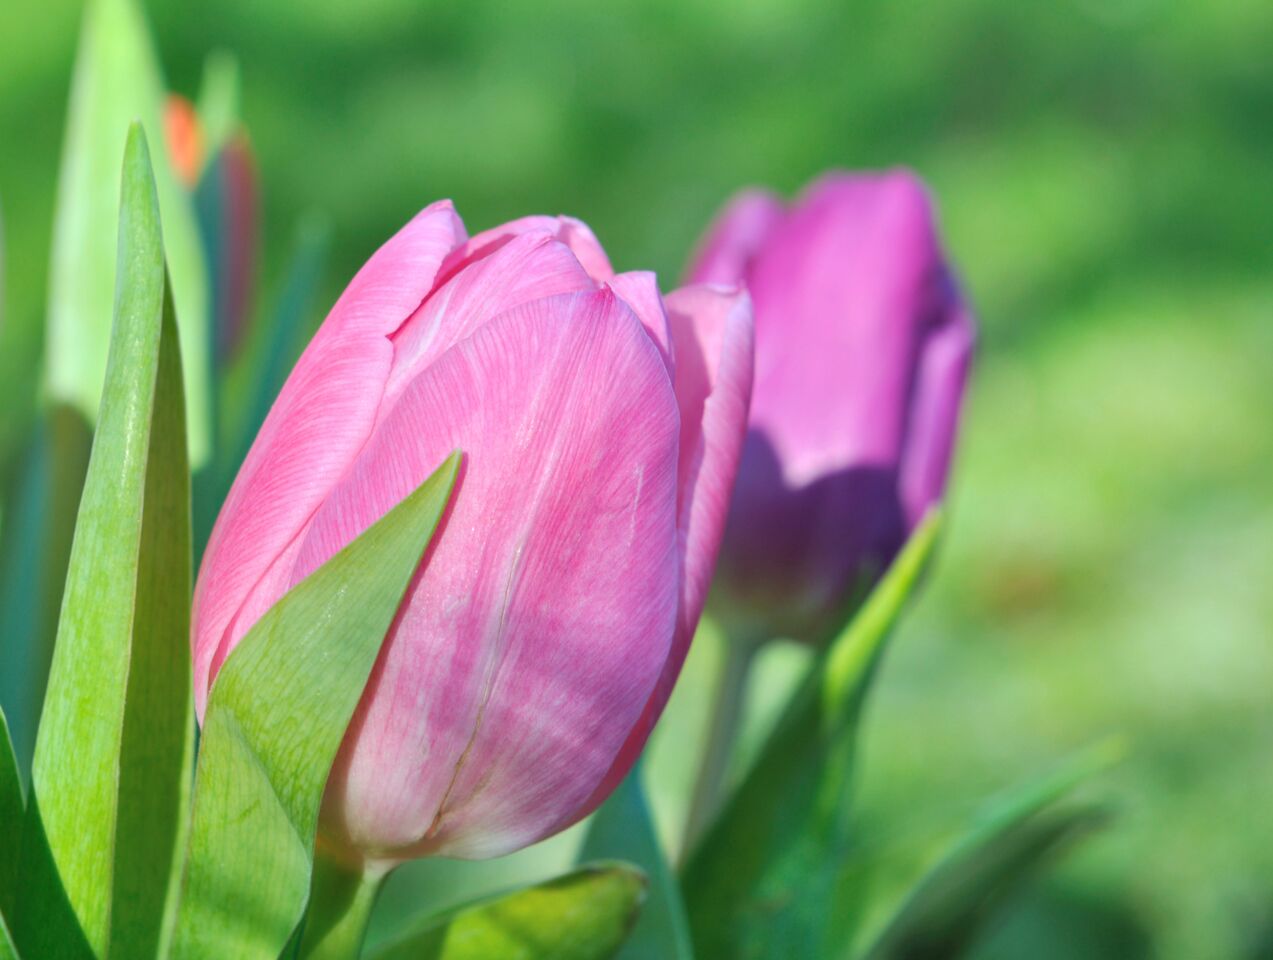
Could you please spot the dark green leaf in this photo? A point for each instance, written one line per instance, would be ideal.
(765, 879)
(117, 79)
(112, 753)
(623, 829)
(1008, 844)
(275, 719)
(11, 807)
(585, 915)
(7, 950)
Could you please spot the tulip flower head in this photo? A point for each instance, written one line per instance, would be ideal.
(601, 425)
(862, 351)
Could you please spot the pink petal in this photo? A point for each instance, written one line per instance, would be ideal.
(319, 422)
(639, 289)
(538, 626)
(529, 266)
(712, 338)
(841, 290)
(573, 233)
(939, 390)
(725, 254)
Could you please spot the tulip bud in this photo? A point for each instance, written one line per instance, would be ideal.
(601, 425)
(226, 200)
(184, 136)
(862, 350)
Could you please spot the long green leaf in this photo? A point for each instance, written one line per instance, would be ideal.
(156, 761)
(623, 829)
(11, 807)
(1011, 841)
(117, 79)
(765, 880)
(585, 915)
(112, 752)
(275, 719)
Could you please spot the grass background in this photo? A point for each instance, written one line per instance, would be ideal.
(1104, 175)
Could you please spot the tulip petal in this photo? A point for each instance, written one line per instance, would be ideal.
(529, 266)
(573, 233)
(939, 390)
(712, 339)
(539, 624)
(321, 419)
(851, 270)
(639, 289)
(725, 254)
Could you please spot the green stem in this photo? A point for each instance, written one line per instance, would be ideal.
(340, 902)
(722, 732)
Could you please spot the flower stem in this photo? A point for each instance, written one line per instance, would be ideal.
(340, 902)
(722, 732)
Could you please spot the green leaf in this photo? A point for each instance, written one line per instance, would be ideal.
(275, 720)
(623, 829)
(111, 767)
(585, 915)
(117, 79)
(1011, 841)
(7, 950)
(764, 881)
(11, 807)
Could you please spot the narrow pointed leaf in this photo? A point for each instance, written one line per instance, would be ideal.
(11, 806)
(117, 79)
(624, 830)
(156, 761)
(120, 641)
(275, 719)
(585, 915)
(1014, 839)
(764, 881)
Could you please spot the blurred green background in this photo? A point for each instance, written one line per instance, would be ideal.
(1105, 174)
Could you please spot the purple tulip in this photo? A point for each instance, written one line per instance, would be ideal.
(862, 350)
(601, 426)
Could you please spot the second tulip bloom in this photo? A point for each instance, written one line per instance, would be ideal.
(862, 349)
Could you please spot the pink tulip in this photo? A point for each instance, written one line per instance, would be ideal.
(601, 426)
(862, 350)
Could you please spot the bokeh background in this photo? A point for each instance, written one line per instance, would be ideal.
(1104, 170)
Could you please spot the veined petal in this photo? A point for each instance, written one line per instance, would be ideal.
(573, 233)
(529, 266)
(541, 619)
(639, 289)
(712, 338)
(321, 419)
